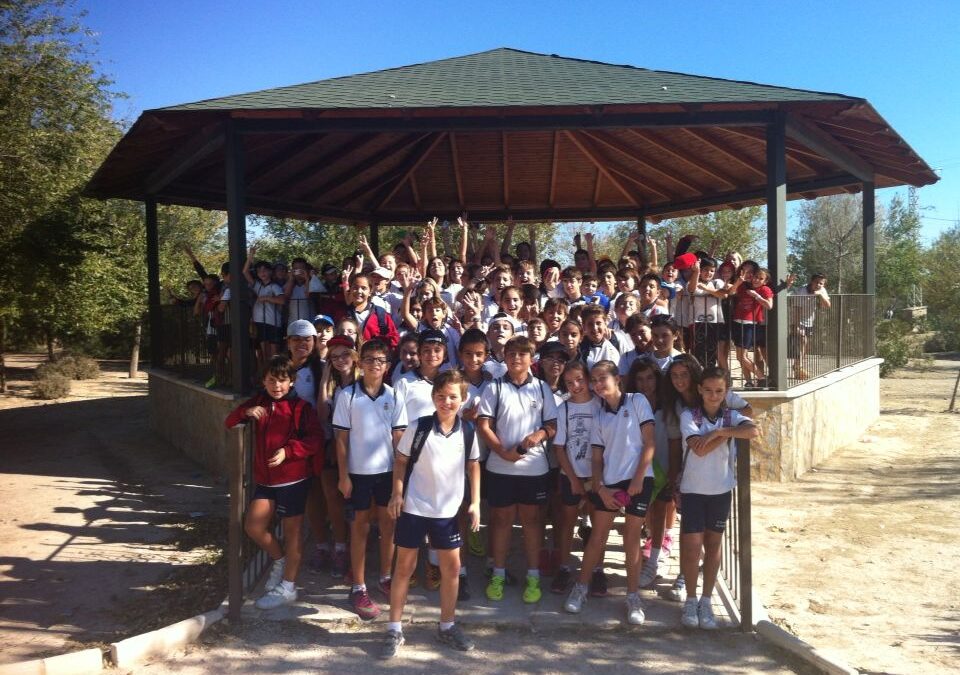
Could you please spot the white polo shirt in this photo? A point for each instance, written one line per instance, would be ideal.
(618, 432)
(733, 400)
(436, 484)
(494, 367)
(267, 312)
(627, 358)
(714, 473)
(300, 306)
(416, 392)
(306, 384)
(516, 411)
(605, 351)
(371, 422)
(474, 392)
(574, 429)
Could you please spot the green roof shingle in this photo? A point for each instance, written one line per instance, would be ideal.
(508, 77)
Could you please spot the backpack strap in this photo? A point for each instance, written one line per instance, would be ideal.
(381, 315)
(424, 424)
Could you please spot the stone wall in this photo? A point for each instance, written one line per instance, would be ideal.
(191, 419)
(804, 426)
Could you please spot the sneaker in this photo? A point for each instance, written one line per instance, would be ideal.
(322, 559)
(649, 575)
(338, 564)
(635, 615)
(575, 601)
(384, 586)
(544, 564)
(495, 588)
(598, 584)
(276, 575)
(705, 614)
(391, 644)
(666, 550)
(561, 581)
(463, 591)
(531, 593)
(365, 608)
(678, 591)
(584, 533)
(454, 637)
(433, 577)
(277, 597)
(509, 579)
(211, 383)
(475, 544)
(691, 615)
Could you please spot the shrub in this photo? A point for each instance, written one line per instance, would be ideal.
(50, 385)
(72, 367)
(85, 368)
(892, 345)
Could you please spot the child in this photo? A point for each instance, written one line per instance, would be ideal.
(626, 306)
(511, 304)
(622, 444)
(267, 309)
(299, 306)
(664, 332)
(372, 320)
(408, 357)
(701, 311)
(537, 331)
(474, 350)
(517, 417)
(638, 327)
(571, 280)
(707, 478)
(428, 488)
(287, 435)
(591, 294)
(752, 297)
(570, 335)
(650, 304)
(571, 445)
(499, 332)
(595, 346)
(555, 312)
(500, 278)
(814, 296)
(367, 421)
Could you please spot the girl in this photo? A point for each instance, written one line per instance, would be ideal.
(454, 282)
(707, 478)
(622, 446)
(570, 335)
(608, 279)
(752, 297)
(347, 327)
(408, 358)
(726, 272)
(511, 304)
(575, 418)
(625, 306)
(701, 312)
(555, 312)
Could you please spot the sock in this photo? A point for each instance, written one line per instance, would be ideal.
(535, 573)
(446, 625)
(654, 555)
(359, 587)
(500, 572)
(586, 521)
(635, 594)
(325, 546)
(340, 547)
(706, 599)
(463, 570)
(287, 585)
(395, 626)
(384, 577)
(280, 561)
(433, 557)
(598, 568)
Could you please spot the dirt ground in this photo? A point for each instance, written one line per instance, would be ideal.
(858, 557)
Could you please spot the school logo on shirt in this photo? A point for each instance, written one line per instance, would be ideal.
(626, 413)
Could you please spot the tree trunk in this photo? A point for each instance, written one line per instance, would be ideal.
(3, 350)
(135, 353)
(49, 337)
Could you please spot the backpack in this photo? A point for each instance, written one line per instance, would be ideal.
(424, 425)
(380, 313)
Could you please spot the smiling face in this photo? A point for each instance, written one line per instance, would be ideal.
(342, 359)
(300, 347)
(276, 387)
(626, 307)
(528, 275)
(626, 283)
(552, 366)
(537, 331)
(604, 383)
(518, 363)
(472, 356)
(431, 356)
(570, 336)
(447, 400)
(360, 291)
(511, 302)
(681, 380)
(641, 336)
(595, 328)
(712, 390)
(649, 291)
(670, 273)
(554, 316)
(576, 383)
(437, 270)
(646, 383)
(663, 339)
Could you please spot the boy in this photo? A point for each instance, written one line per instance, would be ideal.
(408, 357)
(571, 280)
(373, 321)
(427, 493)
(287, 435)
(517, 418)
(802, 314)
(297, 292)
(368, 420)
(499, 332)
(590, 286)
(638, 328)
(595, 346)
(267, 309)
(474, 350)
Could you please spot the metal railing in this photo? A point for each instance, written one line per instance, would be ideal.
(184, 350)
(736, 561)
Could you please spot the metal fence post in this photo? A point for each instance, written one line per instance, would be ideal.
(744, 534)
(237, 452)
(839, 315)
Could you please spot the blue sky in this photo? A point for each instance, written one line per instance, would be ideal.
(903, 57)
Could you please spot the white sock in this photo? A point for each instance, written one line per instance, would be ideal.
(384, 577)
(500, 571)
(359, 587)
(654, 555)
(535, 573)
(706, 599)
(433, 557)
(446, 625)
(280, 562)
(325, 546)
(287, 585)
(340, 547)
(395, 626)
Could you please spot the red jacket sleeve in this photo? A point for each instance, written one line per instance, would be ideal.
(309, 440)
(239, 413)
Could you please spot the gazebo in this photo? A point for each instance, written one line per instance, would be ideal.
(507, 133)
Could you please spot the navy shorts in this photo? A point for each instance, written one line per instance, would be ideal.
(505, 490)
(443, 533)
(567, 498)
(666, 493)
(553, 480)
(268, 333)
(366, 487)
(289, 500)
(760, 336)
(638, 503)
(704, 512)
(744, 335)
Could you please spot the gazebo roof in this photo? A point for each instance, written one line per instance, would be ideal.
(506, 133)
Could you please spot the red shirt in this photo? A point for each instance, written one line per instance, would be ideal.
(747, 308)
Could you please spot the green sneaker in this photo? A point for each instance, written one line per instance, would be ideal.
(495, 588)
(211, 383)
(475, 545)
(531, 593)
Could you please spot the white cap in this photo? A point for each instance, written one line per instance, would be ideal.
(301, 328)
(382, 272)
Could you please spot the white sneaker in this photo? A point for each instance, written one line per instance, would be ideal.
(649, 574)
(277, 597)
(635, 613)
(678, 591)
(276, 575)
(576, 599)
(705, 613)
(690, 617)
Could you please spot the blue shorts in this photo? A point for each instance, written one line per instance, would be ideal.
(506, 490)
(443, 533)
(367, 487)
(289, 500)
(744, 335)
(638, 503)
(704, 512)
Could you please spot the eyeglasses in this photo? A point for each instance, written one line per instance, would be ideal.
(341, 356)
(373, 361)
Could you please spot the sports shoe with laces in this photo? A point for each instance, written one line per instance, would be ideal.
(276, 575)
(666, 549)
(649, 574)
(495, 588)
(598, 583)
(277, 597)
(532, 593)
(384, 586)
(363, 605)
(561, 581)
(577, 598)
(339, 564)
(509, 579)
(454, 637)
(463, 589)
(690, 618)
(678, 591)
(635, 614)
(705, 614)
(391, 644)
(433, 577)
(475, 544)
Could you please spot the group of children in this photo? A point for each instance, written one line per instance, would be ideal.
(549, 395)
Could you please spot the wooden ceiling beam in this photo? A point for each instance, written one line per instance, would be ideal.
(596, 187)
(414, 190)
(792, 148)
(817, 139)
(594, 157)
(420, 152)
(734, 156)
(269, 166)
(300, 181)
(456, 168)
(615, 143)
(678, 153)
(203, 143)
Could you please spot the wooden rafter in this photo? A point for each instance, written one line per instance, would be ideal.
(553, 169)
(612, 166)
(863, 126)
(678, 153)
(732, 155)
(301, 179)
(596, 187)
(406, 169)
(268, 166)
(414, 190)
(200, 145)
(506, 169)
(632, 154)
(456, 168)
(792, 148)
(592, 155)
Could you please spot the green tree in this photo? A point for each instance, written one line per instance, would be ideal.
(900, 257)
(829, 240)
(942, 286)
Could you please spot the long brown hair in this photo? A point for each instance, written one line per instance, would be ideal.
(669, 396)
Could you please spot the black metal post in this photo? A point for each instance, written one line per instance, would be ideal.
(744, 534)
(240, 355)
(236, 450)
(153, 284)
(777, 251)
(374, 238)
(870, 261)
(837, 309)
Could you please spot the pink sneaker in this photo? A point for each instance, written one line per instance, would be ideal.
(364, 606)
(667, 548)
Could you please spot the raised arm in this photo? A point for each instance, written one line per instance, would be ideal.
(365, 246)
(248, 263)
(197, 266)
(431, 241)
(507, 238)
(464, 239)
(593, 261)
